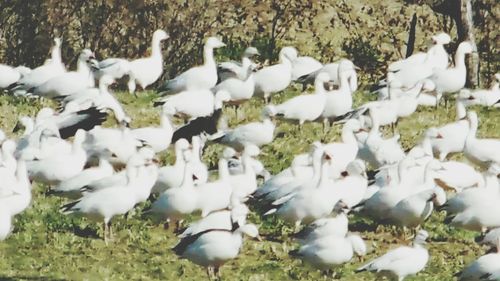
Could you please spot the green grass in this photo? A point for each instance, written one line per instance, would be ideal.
(47, 245)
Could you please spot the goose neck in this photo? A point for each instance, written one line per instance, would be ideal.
(56, 54)
(460, 110)
(165, 122)
(472, 128)
(460, 60)
(156, 48)
(208, 56)
(348, 136)
(187, 180)
(323, 176)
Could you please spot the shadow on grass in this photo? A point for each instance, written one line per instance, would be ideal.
(86, 232)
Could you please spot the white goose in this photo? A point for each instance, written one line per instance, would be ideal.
(197, 78)
(218, 220)
(303, 65)
(71, 187)
(106, 203)
(333, 70)
(213, 247)
(339, 102)
(43, 73)
(415, 209)
(168, 176)
(331, 226)
(484, 97)
(255, 133)
(482, 152)
(158, 138)
(303, 107)
(236, 166)
(231, 69)
(276, 77)
(115, 68)
(101, 98)
(8, 75)
(20, 197)
(246, 183)
(486, 267)
(60, 166)
(403, 261)
(351, 188)
(184, 105)
(452, 79)
(327, 252)
(451, 137)
(346, 151)
(145, 71)
(215, 195)
(70, 82)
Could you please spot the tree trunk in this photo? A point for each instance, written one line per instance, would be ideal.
(465, 30)
(411, 36)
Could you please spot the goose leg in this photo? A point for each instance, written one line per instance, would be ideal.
(209, 272)
(217, 273)
(105, 232)
(110, 229)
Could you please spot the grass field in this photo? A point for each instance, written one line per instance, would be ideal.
(47, 245)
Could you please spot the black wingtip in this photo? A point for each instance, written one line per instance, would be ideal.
(158, 103)
(294, 253)
(69, 206)
(359, 270)
(449, 219)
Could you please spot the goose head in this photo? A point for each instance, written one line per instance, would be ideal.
(229, 153)
(180, 146)
(438, 196)
(288, 53)
(160, 35)
(44, 113)
(356, 167)
(106, 81)
(214, 42)
(86, 56)
(23, 122)
(465, 48)
(250, 230)
(148, 155)
(220, 97)
(441, 39)
(340, 207)
(251, 150)
(322, 80)
(250, 52)
(57, 42)
(421, 237)
(80, 136)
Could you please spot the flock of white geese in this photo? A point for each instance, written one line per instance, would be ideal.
(106, 172)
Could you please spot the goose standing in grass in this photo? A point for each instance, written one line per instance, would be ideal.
(43, 73)
(192, 104)
(218, 220)
(482, 152)
(333, 70)
(245, 184)
(100, 98)
(145, 71)
(106, 203)
(231, 69)
(484, 97)
(339, 102)
(199, 77)
(119, 141)
(337, 225)
(330, 251)
(403, 261)
(215, 195)
(70, 82)
(275, 78)
(486, 267)
(168, 175)
(304, 107)
(115, 68)
(158, 138)
(20, 191)
(304, 65)
(177, 202)
(452, 79)
(214, 247)
(58, 167)
(71, 187)
(415, 209)
(255, 133)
